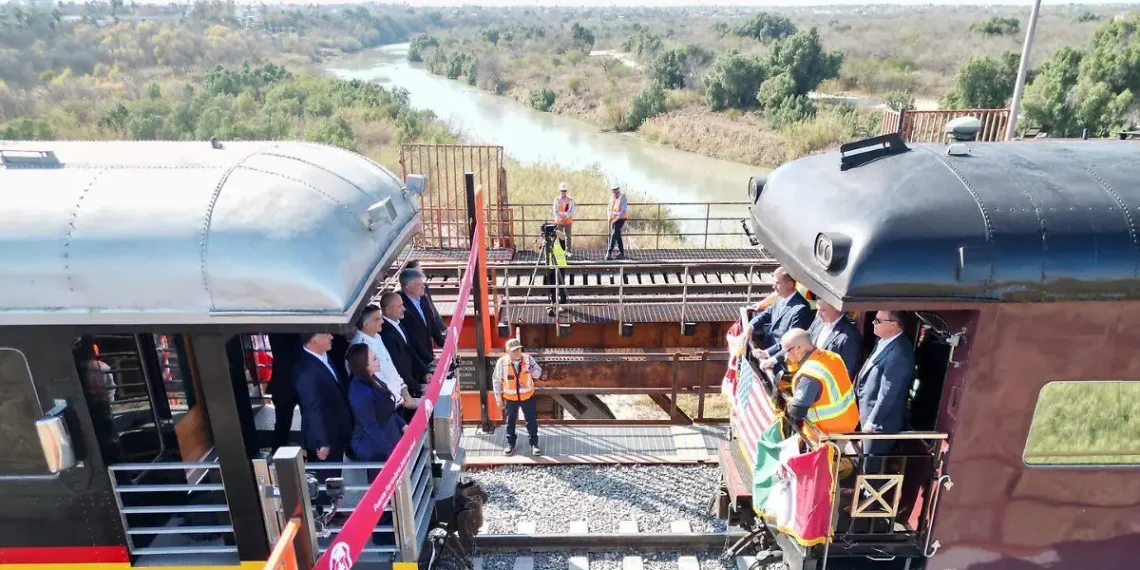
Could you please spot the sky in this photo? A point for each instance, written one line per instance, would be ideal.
(758, 3)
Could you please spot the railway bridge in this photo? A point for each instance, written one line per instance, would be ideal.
(641, 341)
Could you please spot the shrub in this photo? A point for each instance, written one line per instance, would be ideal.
(542, 99)
(646, 105)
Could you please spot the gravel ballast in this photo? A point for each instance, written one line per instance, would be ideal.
(611, 560)
(552, 497)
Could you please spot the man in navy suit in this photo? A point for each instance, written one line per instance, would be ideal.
(883, 383)
(832, 331)
(413, 371)
(420, 323)
(325, 416)
(789, 311)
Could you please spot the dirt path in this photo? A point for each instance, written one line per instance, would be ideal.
(622, 56)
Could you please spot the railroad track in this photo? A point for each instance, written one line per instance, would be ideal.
(629, 536)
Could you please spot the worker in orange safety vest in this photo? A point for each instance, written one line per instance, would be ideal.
(822, 392)
(513, 383)
(564, 210)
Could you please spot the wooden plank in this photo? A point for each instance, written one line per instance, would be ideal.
(688, 563)
(627, 563)
(579, 563)
(579, 527)
(628, 527)
(680, 526)
(527, 527)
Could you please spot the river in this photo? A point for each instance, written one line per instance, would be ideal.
(529, 136)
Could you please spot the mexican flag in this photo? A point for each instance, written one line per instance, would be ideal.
(793, 490)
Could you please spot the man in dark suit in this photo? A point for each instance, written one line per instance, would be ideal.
(832, 331)
(415, 264)
(325, 416)
(286, 350)
(412, 369)
(883, 383)
(420, 323)
(789, 311)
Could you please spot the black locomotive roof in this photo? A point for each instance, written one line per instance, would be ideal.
(1013, 221)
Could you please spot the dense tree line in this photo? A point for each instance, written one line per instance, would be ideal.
(38, 44)
(1075, 89)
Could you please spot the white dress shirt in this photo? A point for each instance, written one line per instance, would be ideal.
(387, 373)
(398, 329)
(881, 345)
(825, 333)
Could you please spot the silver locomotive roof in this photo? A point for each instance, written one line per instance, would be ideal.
(186, 233)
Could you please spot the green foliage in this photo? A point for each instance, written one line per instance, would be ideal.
(221, 80)
(492, 35)
(582, 35)
(332, 131)
(642, 42)
(898, 100)
(25, 129)
(766, 28)
(983, 82)
(733, 81)
(802, 56)
(997, 26)
(542, 99)
(1086, 16)
(1094, 89)
(646, 105)
(419, 46)
(679, 67)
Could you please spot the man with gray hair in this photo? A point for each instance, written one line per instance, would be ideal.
(420, 322)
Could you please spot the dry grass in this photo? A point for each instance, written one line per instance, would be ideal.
(735, 136)
(1082, 423)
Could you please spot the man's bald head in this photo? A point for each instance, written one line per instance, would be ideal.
(794, 338)
(796, 345)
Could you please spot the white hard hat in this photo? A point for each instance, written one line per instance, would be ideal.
(564, 186)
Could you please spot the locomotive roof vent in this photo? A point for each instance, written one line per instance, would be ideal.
(958, 149)
(12, 158)
(861, 152)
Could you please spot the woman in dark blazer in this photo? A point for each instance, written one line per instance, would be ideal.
(377, 422)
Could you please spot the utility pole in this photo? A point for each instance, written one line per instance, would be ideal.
(1022, 71)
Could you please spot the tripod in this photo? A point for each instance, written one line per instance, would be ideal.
(546, 255)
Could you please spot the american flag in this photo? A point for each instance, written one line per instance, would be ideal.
(752, 410)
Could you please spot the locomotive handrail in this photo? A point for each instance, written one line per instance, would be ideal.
(284, 555)
(943, 480)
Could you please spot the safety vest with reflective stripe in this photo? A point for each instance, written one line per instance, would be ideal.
(519, 387)
(835, 411)
(616, 213)
(565, 208)
(559, 255)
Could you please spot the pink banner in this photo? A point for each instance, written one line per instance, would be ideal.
(346, 548)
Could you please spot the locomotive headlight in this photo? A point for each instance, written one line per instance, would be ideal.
(831, 250)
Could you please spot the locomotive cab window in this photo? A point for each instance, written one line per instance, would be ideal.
(1085, 423)
(20, 408)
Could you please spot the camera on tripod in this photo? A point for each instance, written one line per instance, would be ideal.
(548, 231)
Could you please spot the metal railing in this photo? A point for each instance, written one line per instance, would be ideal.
(648, 225)
(930, 126)
(680, 279)
(284, 555)
(405, 524)
(663, 376)
(158, 505)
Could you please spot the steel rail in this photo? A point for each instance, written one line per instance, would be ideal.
(610, 541)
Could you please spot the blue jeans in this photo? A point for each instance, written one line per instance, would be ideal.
(530, 414)
(615, 236)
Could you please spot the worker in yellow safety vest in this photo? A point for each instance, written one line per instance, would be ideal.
(564, 209)
(821, 388)
(555, 258)
(513, 383)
